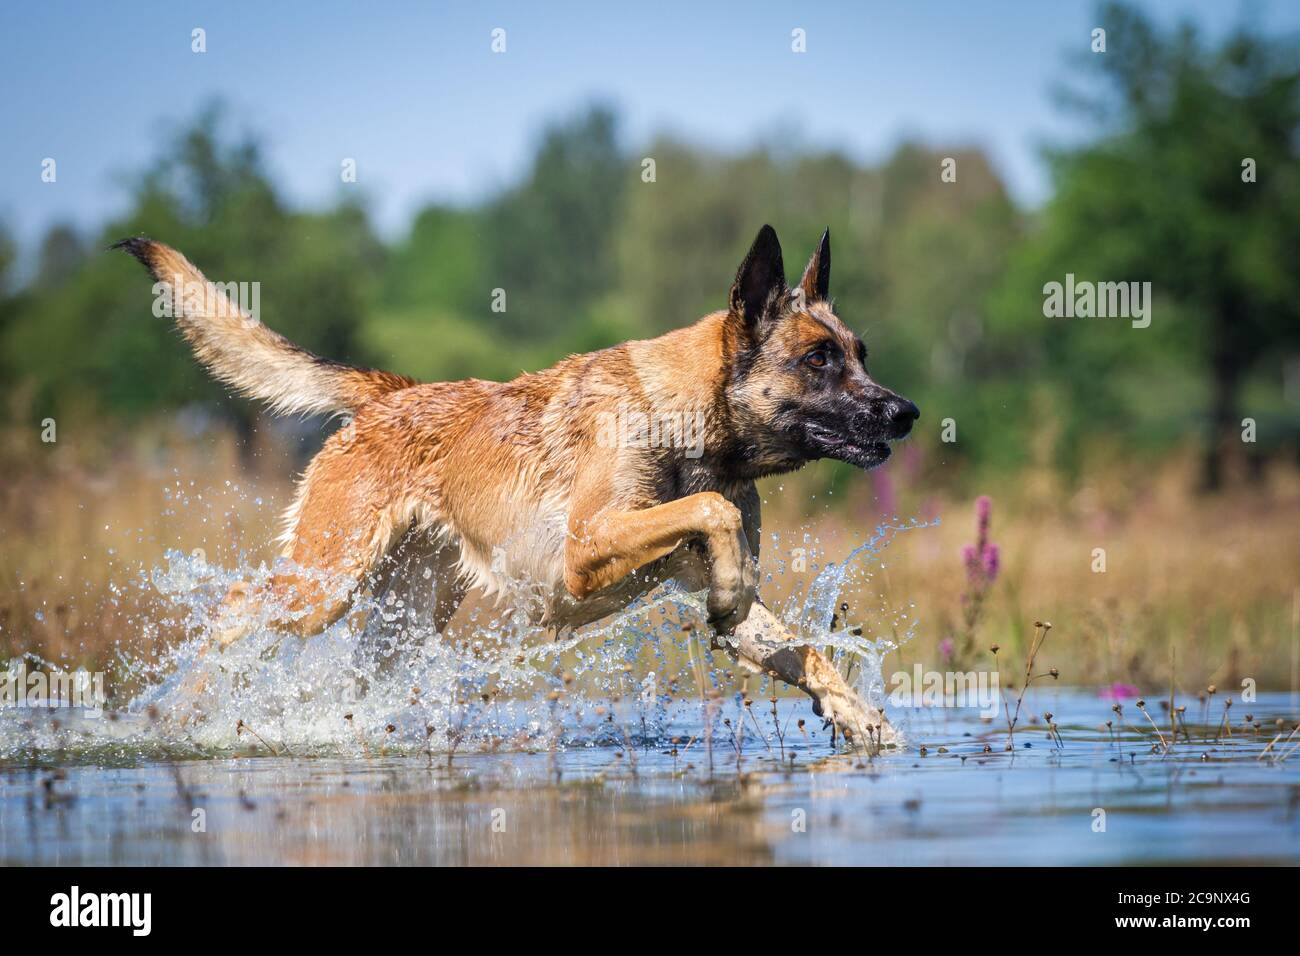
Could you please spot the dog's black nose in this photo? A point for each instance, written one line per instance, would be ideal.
(902, 413)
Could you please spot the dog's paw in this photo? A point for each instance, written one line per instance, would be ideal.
(861, 725)
(730, 600)
(733, 589)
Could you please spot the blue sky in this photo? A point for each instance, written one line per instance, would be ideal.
(413, 92)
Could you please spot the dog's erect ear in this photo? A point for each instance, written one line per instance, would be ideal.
(760, 281)
(816, 281)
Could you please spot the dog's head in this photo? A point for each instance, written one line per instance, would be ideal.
(799, 388)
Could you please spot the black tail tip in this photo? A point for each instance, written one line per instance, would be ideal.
(137, 246)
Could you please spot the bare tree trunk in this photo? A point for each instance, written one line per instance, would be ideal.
(1225, 389)
(245, 421)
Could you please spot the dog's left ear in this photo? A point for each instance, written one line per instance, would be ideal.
(816, 281)
(760, 282)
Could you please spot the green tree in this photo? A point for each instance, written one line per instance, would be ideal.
(430, 317)
(84, 334)
(1166, 195)
(8, 303)
(549, 240)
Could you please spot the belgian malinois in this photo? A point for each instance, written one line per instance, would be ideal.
(524, 488)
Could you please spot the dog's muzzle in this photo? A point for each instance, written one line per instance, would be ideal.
(861, 437)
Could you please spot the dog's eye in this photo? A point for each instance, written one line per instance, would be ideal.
(817, 359)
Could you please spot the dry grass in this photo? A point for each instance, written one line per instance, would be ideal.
(1216, 579)
(82, 522)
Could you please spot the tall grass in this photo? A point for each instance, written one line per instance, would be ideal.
(84, 522)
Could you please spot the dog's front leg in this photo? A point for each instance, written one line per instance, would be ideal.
(764, 643)
(605, 548)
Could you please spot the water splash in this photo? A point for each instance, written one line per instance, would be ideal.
(827, 622)
(393, 685)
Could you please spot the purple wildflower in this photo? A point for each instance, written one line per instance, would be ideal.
(992, 559)
(982, 558)
(911, 459)
(1118, 691)
(982, 561)
(886, 500)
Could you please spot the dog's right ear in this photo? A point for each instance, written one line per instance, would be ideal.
(760, 282)
(816, 281)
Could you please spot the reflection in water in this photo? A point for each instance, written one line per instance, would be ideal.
(1208, 801)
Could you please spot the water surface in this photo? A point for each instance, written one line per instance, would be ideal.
(580, 800)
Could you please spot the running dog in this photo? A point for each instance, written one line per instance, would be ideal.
(523, 488)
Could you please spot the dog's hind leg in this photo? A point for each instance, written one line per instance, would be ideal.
(419, 587)
(339, 534)
(422, 572)
(343, 523)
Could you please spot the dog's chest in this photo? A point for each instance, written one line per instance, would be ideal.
(519, 556)
(522, 557)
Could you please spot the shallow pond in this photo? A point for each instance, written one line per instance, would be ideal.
(1098, 796)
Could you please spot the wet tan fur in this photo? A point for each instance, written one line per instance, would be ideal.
(508, 486)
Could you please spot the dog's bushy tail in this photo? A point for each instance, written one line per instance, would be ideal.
(244, 354)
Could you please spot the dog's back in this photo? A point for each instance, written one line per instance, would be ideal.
(561, 486)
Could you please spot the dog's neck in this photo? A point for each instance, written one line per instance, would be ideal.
(691, 371)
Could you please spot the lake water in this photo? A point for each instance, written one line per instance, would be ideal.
(629, 743)
(115, 793)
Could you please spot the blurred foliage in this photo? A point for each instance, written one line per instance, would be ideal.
(1162, 196)
(84, 335)
(945, 279)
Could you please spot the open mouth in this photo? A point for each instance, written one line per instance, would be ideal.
(832, 444)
